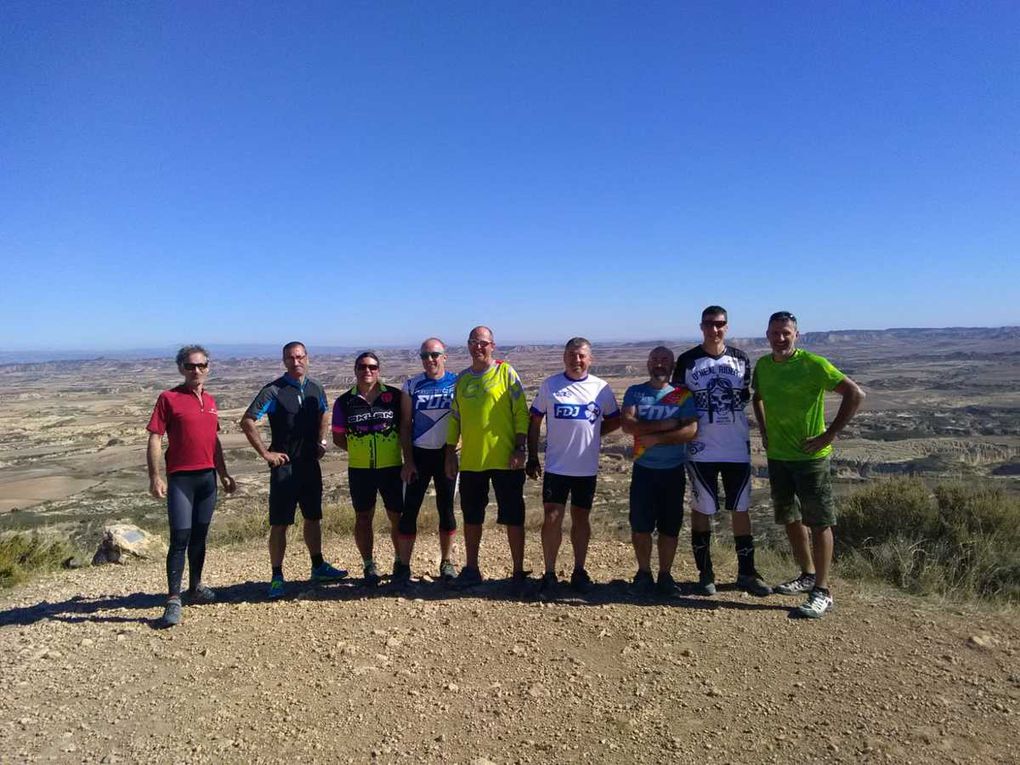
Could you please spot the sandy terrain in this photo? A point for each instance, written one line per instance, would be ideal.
(337, 673)
(941, 403)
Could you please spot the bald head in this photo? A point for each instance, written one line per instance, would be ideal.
(660, 363)
(481, 332)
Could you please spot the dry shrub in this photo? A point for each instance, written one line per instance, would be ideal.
(22, 555)
(956, 540)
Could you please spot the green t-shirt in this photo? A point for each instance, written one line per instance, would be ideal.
(793, 392)
(488, 411)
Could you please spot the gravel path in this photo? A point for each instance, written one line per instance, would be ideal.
(337, 673)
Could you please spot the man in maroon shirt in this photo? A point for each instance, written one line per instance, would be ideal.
(188, 417)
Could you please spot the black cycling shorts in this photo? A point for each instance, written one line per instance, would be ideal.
(657, 500)
(293, 484)
(509, 488)
(364, 483)
(581, 490)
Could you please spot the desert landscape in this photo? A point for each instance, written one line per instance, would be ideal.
(72, 433)
(338, 673)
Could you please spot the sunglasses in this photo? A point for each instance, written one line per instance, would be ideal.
(192, 367)
(430, 355)
(479, 343)
(782, 316)
(716, 324)
(368, 367)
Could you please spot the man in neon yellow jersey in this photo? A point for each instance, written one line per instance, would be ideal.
(789, 404)
(489, 416)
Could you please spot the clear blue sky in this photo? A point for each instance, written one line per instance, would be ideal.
(373, 172)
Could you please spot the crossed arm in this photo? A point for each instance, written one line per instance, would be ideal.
(652, 432)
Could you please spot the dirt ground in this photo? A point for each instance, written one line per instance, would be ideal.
(339, 673)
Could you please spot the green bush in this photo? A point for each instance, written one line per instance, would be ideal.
(955, 540)
(24, 554)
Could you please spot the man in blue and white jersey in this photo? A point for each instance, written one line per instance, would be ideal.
(425, 414)
(578, 409)
(719, 376)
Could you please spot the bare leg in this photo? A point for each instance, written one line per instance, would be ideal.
(552, 534)
(515, 537)
(445, 544)
(313, 536)
(580, 534)
(277, 545)
(800, 545)
(395, 534)
(667, 551)
(700, 521)
(472, 541)
(364, 536)
(642, 551)
(741, 523)
(821, 547)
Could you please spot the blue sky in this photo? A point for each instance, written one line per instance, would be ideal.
(374, 172)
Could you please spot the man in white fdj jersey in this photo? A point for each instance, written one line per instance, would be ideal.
(578, 409)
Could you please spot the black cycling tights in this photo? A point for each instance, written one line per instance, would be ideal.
(191, 498)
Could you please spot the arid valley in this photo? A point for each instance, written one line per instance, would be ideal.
(340, 674)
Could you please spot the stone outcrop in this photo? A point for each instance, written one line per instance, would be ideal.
(124, 543)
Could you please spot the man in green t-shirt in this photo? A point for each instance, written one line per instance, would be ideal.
(489, 418)
(789, 405)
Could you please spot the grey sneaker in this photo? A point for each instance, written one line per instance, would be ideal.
(753, 584)
(819, 601)
(447, 572)
(327, 573)
(172, 612)
(643, 584)
(705, 586)
(803, 583)
(371, 574)
(468, 577)
(201, 593)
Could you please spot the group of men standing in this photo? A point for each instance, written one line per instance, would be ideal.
(688, 422)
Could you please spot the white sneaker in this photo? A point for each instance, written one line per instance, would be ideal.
(797, 585)
(818, 602)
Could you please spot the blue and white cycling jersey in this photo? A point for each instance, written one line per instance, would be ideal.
(430, 406)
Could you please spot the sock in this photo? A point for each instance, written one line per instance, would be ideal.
(317, 560)
(745, 554)
(701, 544)
(277, 572)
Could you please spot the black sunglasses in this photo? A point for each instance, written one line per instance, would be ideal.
(782, 316)
(367, 367)
(430, 354)
(192, 367)
(717, 324)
